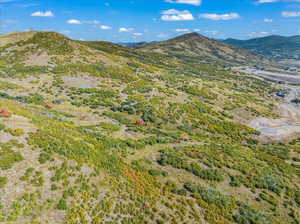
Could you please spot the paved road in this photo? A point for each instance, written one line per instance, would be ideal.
(272, 76)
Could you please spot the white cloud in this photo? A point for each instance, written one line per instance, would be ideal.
(266, 20)
(162, 35)
(176, 15)
(43, 14)
(123, 29)
(182, 30)
(74, 21)
(190, 2)
(258, 34)
(212, 32)
(93, 22)
(65, 31)
(78, 22)
(137, 34)
(103, 27)
(290, 14)
(217, 17)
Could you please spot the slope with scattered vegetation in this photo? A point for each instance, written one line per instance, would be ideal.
(107, 134)
(196, 48)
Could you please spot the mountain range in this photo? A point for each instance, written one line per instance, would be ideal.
(274, 47)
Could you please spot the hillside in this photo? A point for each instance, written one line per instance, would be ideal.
(94, 132)
(274, 47)
(198, 48)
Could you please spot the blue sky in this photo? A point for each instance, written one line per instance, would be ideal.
(148, 20)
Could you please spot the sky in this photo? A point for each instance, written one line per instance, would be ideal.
(152, 20)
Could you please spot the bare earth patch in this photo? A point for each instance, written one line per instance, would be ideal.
(83, 82)
(282, 128)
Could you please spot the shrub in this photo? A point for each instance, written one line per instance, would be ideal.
(33, 177)
(62, 204)
(173, 159)
(268, 198)
(247, 215)
(236, 181)
(177, 161)
(297, 197)
(278, 151)
(182, 192)
(16, 132)
(157, 173)
(148, 116)
(270, 182)
(3, 181)
(44, 157)
(208, 174)
(8, 157)
(2, 127)
(211, 196)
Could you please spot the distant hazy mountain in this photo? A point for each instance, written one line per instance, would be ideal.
(275, 47)
(202, 49)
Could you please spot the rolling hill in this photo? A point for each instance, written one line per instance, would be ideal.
(95, 132)
(196, 47)
(275, 47)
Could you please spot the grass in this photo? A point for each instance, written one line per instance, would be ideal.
(8, 157)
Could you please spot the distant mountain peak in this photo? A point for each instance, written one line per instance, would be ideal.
(189, 37)
(203, 49)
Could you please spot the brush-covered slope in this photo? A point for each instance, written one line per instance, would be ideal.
(198, 48)
(275, 47)
(95, 136)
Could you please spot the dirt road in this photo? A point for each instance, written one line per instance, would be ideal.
(287, 125)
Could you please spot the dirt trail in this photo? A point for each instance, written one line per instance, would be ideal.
(287, 125)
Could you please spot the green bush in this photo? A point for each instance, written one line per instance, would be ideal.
(206, 174)
(154, 172)
(270, 182)
(236, 181)
(62, 204)
(8, 157)
(211, 196)
(2, 127)
(16, 132)
(297, 197)
(268, 198)
(178, 161)
(247, 215)
(3, 181)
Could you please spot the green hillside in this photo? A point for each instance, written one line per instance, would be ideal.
(93, 132)
(275, 47)
(197, 48)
